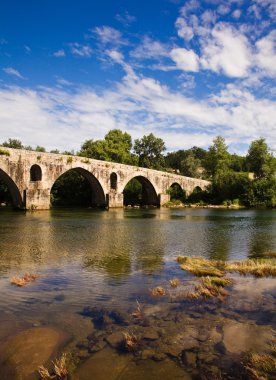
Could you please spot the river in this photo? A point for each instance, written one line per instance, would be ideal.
(94, 260)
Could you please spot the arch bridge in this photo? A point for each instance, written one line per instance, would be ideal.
(30, 176)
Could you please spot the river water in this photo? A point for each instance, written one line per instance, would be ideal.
(94, 262)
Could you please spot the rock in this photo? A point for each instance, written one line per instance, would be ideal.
(241, 337)
(150, 334)
(115, 339)
(147, 354)
(95, 347)
(104, 365)
(190, 358)
(22, 354)
(215, 336)
(149, 370)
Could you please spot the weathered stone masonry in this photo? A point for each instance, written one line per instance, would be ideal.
(31, 175)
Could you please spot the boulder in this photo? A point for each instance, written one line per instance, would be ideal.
(23, 353)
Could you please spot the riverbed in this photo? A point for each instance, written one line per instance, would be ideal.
(96, 269)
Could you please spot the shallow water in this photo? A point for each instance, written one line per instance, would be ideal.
(110, 259)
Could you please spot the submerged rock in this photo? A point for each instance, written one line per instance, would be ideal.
(22, 354)
(241, 337)
(104, 365)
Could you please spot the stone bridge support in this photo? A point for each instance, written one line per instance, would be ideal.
(30, 177)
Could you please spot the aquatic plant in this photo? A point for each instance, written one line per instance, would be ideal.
(175, 282)
(255, 267)
(158, 291)
(137, 314)
(60, 371)
(131, 341)
(24, 280)
(260, 366)
(199, 266)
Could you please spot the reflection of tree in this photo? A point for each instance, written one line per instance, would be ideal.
(219, 236)
(261, 231)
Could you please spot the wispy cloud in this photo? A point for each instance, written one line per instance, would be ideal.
(107, 35)
(13, 72)
(59, 53)
(80, 50)
(125, 18)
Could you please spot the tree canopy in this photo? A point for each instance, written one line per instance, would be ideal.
(149, 150)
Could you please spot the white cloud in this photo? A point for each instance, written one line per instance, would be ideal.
(237, 13)
(59, 53)
(139, 105)
(227, 51)
(185, 60)
(13, 72)
(266, 54)
(150, 48)
(125, 19)
(183, 29)
(80, 50)
(108, 35)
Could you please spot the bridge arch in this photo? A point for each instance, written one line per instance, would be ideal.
(148, 194)
(97, 195)
(17, 200)
(177, 192)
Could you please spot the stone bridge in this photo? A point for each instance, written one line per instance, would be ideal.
(30, 176)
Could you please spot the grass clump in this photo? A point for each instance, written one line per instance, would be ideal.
(4, 152)
(158, 291)
(255, 267)
(174, 282)
(131, 342)
(261, 366)
(24, 280)
(137, 314)
(60, 371)
(201, 267)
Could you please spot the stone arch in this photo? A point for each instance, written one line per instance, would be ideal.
(149, 195)
(177, 192)
(98, 195)
(17, 200)
(35, 173)
(113, 181)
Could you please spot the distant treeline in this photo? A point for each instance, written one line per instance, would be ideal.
(245, 180)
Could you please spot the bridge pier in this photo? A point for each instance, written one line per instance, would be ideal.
(163, 198)
(115, 200)
(37, 199)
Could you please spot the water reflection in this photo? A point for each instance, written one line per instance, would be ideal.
(85, 252)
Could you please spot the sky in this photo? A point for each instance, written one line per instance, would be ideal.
(185, 71)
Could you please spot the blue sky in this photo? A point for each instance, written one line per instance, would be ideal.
(183, 70)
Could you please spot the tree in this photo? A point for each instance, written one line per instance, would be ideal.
(149, 150)
(190, 166)
(40, 149)
(260, 160)
(13, 143)
(217, 157)
(115, 147)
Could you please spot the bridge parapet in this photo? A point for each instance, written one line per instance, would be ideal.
(30, 176)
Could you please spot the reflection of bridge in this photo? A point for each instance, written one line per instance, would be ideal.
(31, 175)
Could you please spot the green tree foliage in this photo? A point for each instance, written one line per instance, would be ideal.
(71, 190)
(133, 193)
(260, 161)
(190, 166)
(187, 162)
(149, 150)
(40, 149)
(115, 147)
(13, 143)
(176, 193)
(217, 159)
